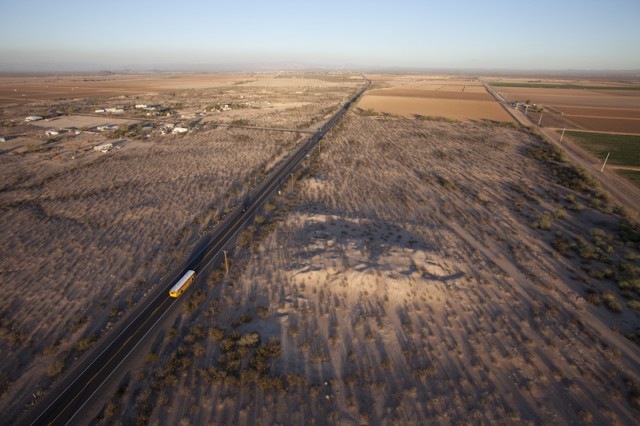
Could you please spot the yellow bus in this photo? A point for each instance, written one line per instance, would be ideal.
(182, 285)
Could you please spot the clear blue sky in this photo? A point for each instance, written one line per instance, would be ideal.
(508, 34)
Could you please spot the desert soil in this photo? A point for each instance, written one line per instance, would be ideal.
(86, 234)
(417, 277)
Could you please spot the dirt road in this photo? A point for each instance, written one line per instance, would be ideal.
(626, 193)
(623, 191)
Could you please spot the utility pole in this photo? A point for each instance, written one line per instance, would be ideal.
(226, 264)
(605, 162)
(562, 135)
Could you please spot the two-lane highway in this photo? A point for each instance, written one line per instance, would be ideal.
(72, 392)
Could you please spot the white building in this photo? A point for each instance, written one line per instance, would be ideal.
(103, 147)
(52, 133)
(33, 118)
(177, 130)
(106, 127)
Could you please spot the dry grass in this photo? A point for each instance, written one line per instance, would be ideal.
(407, 283)
(85, 235)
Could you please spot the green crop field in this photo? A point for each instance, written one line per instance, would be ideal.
(624, 149)
(631, 175)
(562, 86)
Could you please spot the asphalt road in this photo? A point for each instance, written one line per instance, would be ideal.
(74, 389)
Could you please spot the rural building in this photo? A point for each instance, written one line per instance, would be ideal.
(114, 110)
(52, 133)
(103, 147)
(177, 130)
(2, 139)
(106, 127)
(33, 118)
(100, 110)
(147, 107)
(73, 130)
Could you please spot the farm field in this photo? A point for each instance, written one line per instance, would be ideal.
(420, 271)
(596, 106)
(624, 149)
(601, 86)
(86, 234)
(632, 175)
(452, 99)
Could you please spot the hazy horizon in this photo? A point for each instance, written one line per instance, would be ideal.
(197, 35)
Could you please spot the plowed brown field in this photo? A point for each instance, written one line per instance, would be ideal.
(616, 111)
(574, 97)
(433, 94)
(457, 99)
(606, 124)
(600, 112)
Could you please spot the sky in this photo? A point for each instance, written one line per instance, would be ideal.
(454, 34)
